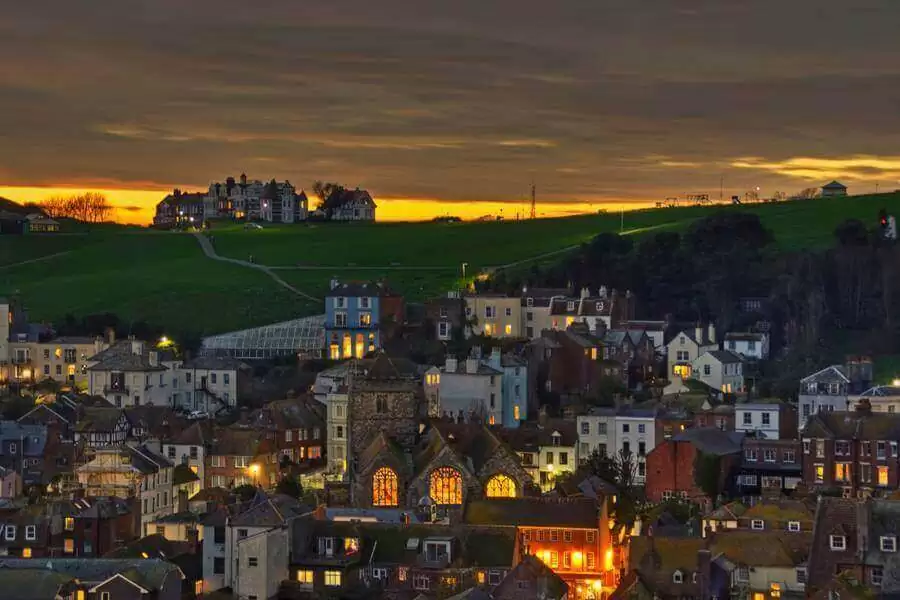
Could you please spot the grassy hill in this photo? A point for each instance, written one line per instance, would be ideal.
(164, 278)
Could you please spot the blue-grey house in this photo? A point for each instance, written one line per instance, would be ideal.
(514, 387)
(357, 316)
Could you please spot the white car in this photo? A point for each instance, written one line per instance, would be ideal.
(198, 414)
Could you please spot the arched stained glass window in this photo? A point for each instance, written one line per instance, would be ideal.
(384, 487)
(446, 486)
(500, 486)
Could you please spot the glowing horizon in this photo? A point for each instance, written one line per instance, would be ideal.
(137, 206)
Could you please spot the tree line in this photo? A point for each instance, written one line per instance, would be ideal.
(89, 207)
(818, 304)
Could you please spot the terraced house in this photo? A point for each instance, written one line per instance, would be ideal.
(358, 316)
(131, 373)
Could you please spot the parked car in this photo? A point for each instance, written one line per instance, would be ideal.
(198, 414)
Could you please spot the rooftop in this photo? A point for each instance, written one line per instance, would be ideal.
(533, 512)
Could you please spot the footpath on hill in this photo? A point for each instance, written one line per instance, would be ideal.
(210, 252)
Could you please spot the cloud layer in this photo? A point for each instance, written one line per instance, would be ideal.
(603, 100)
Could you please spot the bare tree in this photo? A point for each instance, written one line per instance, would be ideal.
(324, 189)
(806, 194)
(90, 207)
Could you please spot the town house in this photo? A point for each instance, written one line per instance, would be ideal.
(768, 466)
(536, 307)
(99, 427)
(750, 345)
(356, 318)
(350, 205)
(830, 388)
(62, 359)
(241, 456)
(494, 315)
(681, 352)
(467, 389)
(447, 315)
(575, 366)
(299, 425)
(772, 513)
(770, 419)
(548, 449)
(209, 383)
(128, 373)
(596, 433)
(856, 451)
(721, 370)
(635, 437)
(633, 349)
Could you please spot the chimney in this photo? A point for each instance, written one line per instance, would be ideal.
(603, 291)
(864, 407)
(451, 364)
(154, 358)
(334, 283)
(471, 366)
(698, 334)
(585, 292)
(137, 347)
(704, 561)
(712, 332)
(110, 335)
(542, 415)
(243, 179)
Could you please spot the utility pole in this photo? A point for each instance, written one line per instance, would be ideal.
(533, 200)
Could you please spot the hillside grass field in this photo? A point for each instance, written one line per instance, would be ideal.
(164, 278)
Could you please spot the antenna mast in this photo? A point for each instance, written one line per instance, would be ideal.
(533, 200)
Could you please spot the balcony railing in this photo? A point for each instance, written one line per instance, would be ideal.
(108, 389)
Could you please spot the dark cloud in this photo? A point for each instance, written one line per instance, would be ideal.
(611, 99)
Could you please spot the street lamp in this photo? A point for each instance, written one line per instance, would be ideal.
(464, 265)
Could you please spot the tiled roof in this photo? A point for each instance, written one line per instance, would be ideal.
(384, 367)
(472, 443)
(235, 441)
(533, 512)
(98, 419)
(151, 546)
(725, 356)
(834, 516)
(121, 357)
(763, 548)
(150, 574)
(860, 425)
(290, 413)
(711, 440)
(545, 582)
(183, 474)
(270, 511)
(529, 436)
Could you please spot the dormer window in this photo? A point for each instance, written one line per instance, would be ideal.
(838, 543)
(757, 524)
(555, 438)
(677, 577)
(888, 543)
(794, 526)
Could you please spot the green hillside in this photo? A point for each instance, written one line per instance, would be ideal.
(164, 278)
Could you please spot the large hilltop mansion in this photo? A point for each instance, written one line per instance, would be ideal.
(256, 200)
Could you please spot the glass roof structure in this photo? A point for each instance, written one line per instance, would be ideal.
(305, 336)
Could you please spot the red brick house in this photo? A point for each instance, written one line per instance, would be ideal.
(575, 365)
(671, 465)
(769, 467)
(299, 428)
(854, 451)
(238, 456)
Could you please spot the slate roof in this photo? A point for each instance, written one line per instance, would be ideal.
(270, 511)
(834, 516)
(290, 413)
(235, 441)
(473, 444)
(159, 421)
(355, 289)
(98, 419)
(832, 374)
(386, 368)
(656, 559)
(763, 548)
(533, 512)
(342, 197)
(860, 425)
(34, 437)
(183, 474)
(530, 568)
(711, 440)
(32, 584)
(153, 546)
(148, 573)
(146, 460)
(724, 356)
(198, 433)
(121, 357)
(483, 369)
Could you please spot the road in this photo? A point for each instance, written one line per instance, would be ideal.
(210, 252)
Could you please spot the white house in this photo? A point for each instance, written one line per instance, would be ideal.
(130, 373)
(824, 390)
(469, 387)
(209, 383)
(596, 432)
(835, 188)
(189, 448)
(721, 370)
(337, 408)
(249, 551)
(636, 435)
(748, 344)
(682, 350)
(759, 418)
(350, 205)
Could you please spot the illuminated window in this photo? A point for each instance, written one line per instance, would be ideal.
(500, 486)
(775, 590)
(198, 587)
(480, 577)
(305, 577)
(508, 330)
(593, 354)
(516, 412)
(69, 546)
(57, 353)
(882, 475)
(384, 487)
(402, 573)
(842, 472)
(492, 420)
(26, 552)
(569, 321)
(334, 352)
(683, 371)
(347, 350)
(820, 473)
(488, 329)
(80, 595)
(446, 486)
(332, 578)
(759, 596)
(70, 523)
(351, 546)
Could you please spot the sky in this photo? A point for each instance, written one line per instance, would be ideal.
(450, 107)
